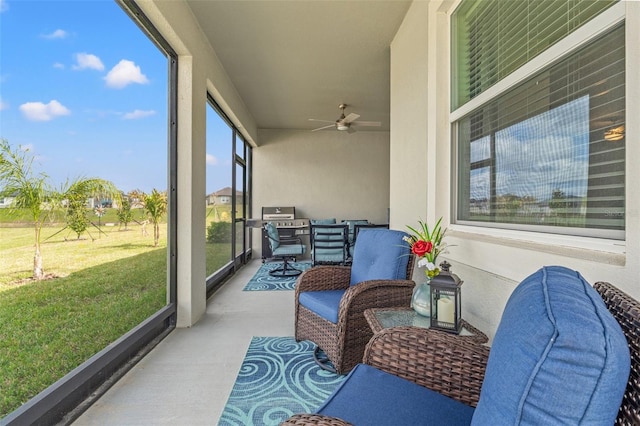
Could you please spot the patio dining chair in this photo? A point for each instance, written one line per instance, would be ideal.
(329, 244)
(286, 249)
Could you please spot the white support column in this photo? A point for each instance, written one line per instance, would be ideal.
(191, 192)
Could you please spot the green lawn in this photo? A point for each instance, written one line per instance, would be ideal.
(63, 252)
(105, 286)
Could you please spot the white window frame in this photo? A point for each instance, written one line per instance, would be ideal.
(534, 236)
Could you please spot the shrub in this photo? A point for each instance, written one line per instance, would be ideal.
(219, 232)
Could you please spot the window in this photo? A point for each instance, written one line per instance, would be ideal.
(549, 151)
(219, 191)
(227, 198)
(90, 102)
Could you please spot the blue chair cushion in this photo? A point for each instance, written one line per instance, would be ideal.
(379, 254)
(331, 221)
(329, 244)
(329, 233)
(558, 356)
(289, 250)
(274, 237)
(329, 255)
(369, 396)
(324, 303)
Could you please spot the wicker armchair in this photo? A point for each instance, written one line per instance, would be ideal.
(344, 340)
(456, 368)
(626, 311)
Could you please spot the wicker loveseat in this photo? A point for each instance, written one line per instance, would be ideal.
(560, 356)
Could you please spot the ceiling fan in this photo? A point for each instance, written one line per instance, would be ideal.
(346, 123)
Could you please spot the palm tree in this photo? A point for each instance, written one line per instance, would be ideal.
(155, 204)
(30, 191)
(33, 193)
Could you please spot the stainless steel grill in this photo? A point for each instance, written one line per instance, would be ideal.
(278, 214)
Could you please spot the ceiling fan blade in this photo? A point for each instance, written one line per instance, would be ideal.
(323, 127)
(322, 121)
(351, 117)
(367, 123)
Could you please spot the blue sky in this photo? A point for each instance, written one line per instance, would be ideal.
(86, 91)
(558, 141)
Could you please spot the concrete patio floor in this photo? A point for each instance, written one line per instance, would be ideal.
(186, 379)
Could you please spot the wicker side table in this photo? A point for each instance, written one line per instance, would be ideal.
(381, 318)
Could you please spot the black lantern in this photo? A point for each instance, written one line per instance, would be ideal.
(446, 304)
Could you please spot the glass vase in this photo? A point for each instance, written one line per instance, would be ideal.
(421, 298)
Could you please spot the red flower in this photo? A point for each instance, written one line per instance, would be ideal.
(420, 247)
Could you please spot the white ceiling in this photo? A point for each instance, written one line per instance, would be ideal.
(294, 60)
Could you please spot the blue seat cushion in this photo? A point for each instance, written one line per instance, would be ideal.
(379, 254)
(369, 396)
(324, 303)
(289, 250)
(558, 356)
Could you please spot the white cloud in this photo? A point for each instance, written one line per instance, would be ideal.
(38, 111)
(211, 160)
(3, 105)
(4, 6)
(136, 114)
(58, 65)
(125, 73)
(88, 61)
(546, 152)
(56, 34)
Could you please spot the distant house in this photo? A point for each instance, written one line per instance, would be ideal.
(222, 196)
(6, 202)
(105, 202)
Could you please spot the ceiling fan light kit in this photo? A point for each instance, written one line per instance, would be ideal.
(615, 134)
(344, 123)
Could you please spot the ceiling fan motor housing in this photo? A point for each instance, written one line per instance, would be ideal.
(344, 122)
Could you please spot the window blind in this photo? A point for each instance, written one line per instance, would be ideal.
(494, 38)
(551, 151)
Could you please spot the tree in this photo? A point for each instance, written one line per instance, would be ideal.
(155, 204)
(124, 213)
(558, 200)
(77, 218)
(76, 193)
(33, 192)
(30, 192)
(136, 198)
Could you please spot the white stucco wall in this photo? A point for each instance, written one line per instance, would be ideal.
(409, 163)
(490, 262)
(199, 71)
(326, 174)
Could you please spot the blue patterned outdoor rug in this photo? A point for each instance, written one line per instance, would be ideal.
(278, 378)
(263, 281)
